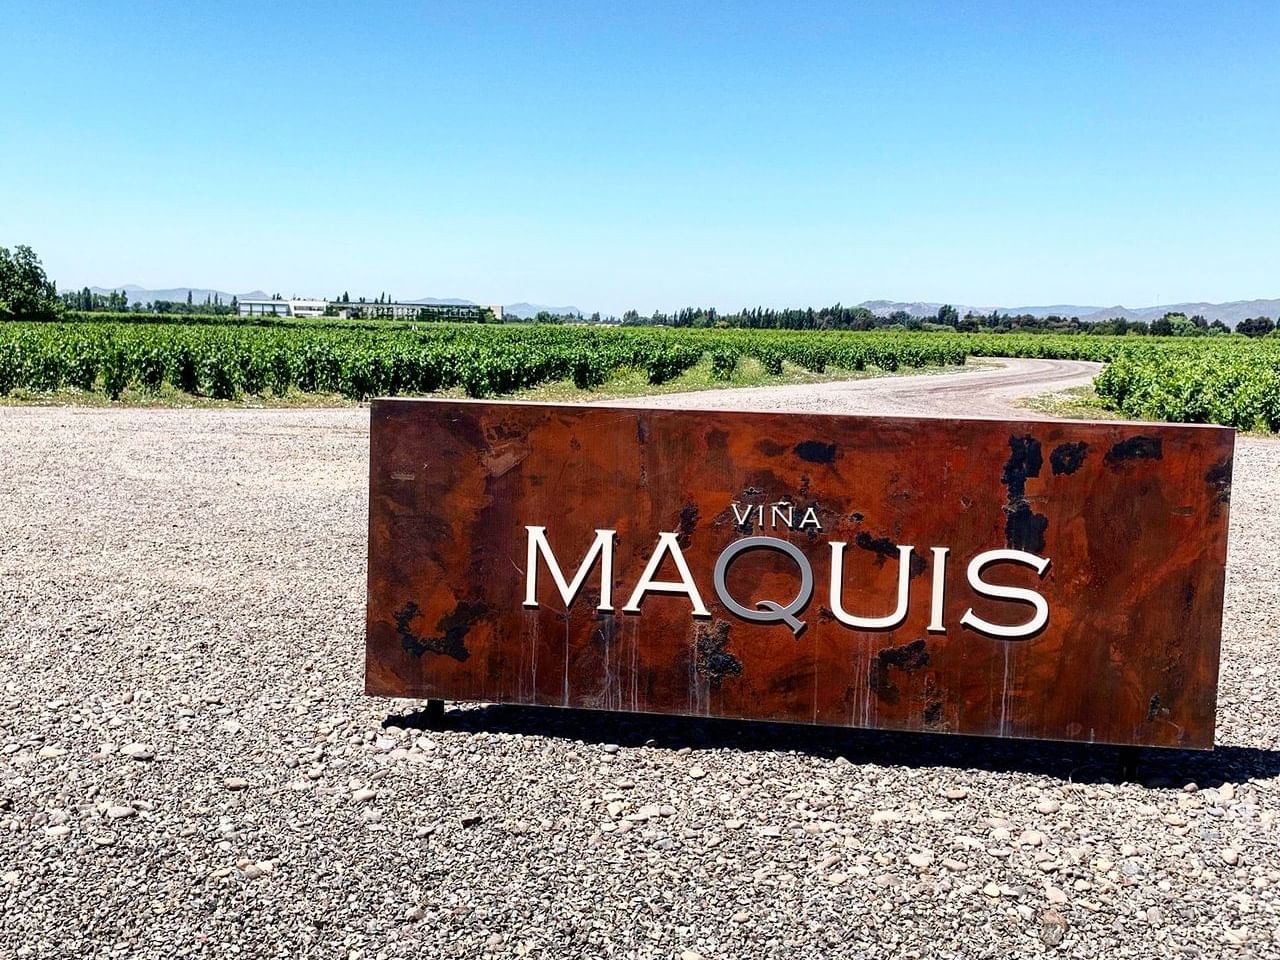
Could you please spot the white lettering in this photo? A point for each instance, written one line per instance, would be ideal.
(602, 547)
(982, 588)
(870, 623)
(667, 543)
(939, 589)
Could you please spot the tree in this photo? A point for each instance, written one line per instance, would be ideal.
(1255, 326)
(26, 293)
(1176, 325)
(948, 314)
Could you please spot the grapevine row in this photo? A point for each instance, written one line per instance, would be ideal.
(227, 362)
(1234, 381)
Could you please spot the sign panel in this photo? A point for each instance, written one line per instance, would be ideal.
(1058, 580)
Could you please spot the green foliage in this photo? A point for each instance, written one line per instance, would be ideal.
(25, 292)
(724, 360)
(1255, 326)
(666, 361)
(1223, 379)
(10, 366)
(115, 368)
(771, 358)
(1227, 380)
(226, 361)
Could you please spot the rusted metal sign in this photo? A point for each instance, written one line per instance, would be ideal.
(1056, 580)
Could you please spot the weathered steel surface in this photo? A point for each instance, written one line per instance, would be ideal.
(1131, 517)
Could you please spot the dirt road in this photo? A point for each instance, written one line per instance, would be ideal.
(991, 391)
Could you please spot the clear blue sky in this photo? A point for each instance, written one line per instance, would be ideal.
(652, 155)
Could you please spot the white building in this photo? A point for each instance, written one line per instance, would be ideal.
(282, 308)
(364, 310)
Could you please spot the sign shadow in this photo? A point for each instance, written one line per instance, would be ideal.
(1065, 761)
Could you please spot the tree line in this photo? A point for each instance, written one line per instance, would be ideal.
(26, 293)
(947, 319)
(86, 301)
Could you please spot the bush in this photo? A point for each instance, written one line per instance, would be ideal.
(723, 362)
(115, 369)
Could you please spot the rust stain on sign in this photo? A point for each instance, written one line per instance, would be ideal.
(1056, 580)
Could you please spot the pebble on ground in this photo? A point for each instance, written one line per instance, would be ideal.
(187, 762)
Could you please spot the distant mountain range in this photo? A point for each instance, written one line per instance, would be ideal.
(533, 309)
(1229, 313)
(139, 294)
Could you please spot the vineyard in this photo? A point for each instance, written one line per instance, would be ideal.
(1229, 380)
(225, 362)
(1232, 381)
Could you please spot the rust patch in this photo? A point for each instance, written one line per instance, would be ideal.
(1066, 458)
(714, 662)
(815, 451)
(883, 546)
(688, 522)
(1024, 529)
(1135, 448)
(1219, 478)
(907, 658)
(452, 627)
(932, 716)
(886, 549)
(503, 457)
(1025, 461)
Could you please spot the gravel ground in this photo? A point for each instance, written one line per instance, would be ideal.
(989, 388)
(188, 767)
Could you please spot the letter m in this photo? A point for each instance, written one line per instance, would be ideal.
(601, 547)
